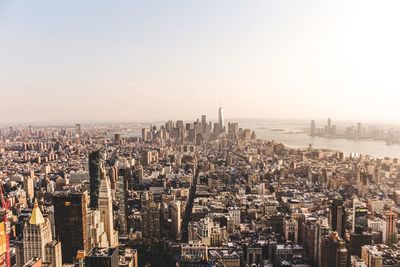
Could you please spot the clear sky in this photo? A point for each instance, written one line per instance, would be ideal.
(154, 60)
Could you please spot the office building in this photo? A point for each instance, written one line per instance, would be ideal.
(291, 229)
(106, 212)
(360, 217)
(102, 257)
(313, 128)
(36, 235)
(70, 217)
(221, 123)
(29, 188)
(176, 219)
(78, 130)
(95, 170)
(358, 239)
(53, 254)
(124, 174)
(235, 214)
(389, 231)
(338, 217)
(97, 235)
(322, 230)
(204, 125)
(151, 220)
(333, 251)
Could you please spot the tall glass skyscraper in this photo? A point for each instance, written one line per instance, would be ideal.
(95, 165)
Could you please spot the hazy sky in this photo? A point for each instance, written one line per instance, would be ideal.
(155, 60)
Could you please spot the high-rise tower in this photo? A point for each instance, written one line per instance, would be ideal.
(70, 219)
(78, 130)
(151, 220)
(95, 169)
(221, 118)
(36, 235)
(312, 127)
(106, 211)
(389, 227)
(124, 174)
(204, 124)
(333, 251)
(176, 219)
(338, 217)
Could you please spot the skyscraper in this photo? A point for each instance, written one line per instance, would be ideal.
(95, 169)
(97, 235)
(359, 238)
(124, 174)
(54, 254)
(328, 127)
(312, 127)
(333, 251)
(338, 217)
(235, 214)
(71, 223)
(36, 235)
(204, 125)
(322, 230)
(389, 235)
(291, 229)
(151, 220)
(106, 211)
(360, 217)
(221, 118)
(176, 218)
(78, 130)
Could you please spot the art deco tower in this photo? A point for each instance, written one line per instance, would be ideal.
(106, 211)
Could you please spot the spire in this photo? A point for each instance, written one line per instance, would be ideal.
(36, 217)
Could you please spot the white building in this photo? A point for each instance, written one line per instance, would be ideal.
(98, 237)
(106, 212)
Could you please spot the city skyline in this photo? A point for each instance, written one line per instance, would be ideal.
(197, 193)
(199, 133)
(263, 59)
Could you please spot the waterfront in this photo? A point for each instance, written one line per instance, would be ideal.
(293, 136)
(291, 133)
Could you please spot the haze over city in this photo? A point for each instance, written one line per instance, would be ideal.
(199, 133)
(142, 61)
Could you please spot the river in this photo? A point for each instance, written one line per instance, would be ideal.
(291, 134)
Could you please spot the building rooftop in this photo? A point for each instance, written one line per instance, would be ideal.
(36, 217)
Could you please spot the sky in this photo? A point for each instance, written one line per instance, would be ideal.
(110, 61)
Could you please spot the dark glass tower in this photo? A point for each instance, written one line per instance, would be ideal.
(95, 165)
(70, 223)
(124, 175)
(338, 217)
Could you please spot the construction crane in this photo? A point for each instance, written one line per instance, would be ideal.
(6, 206)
